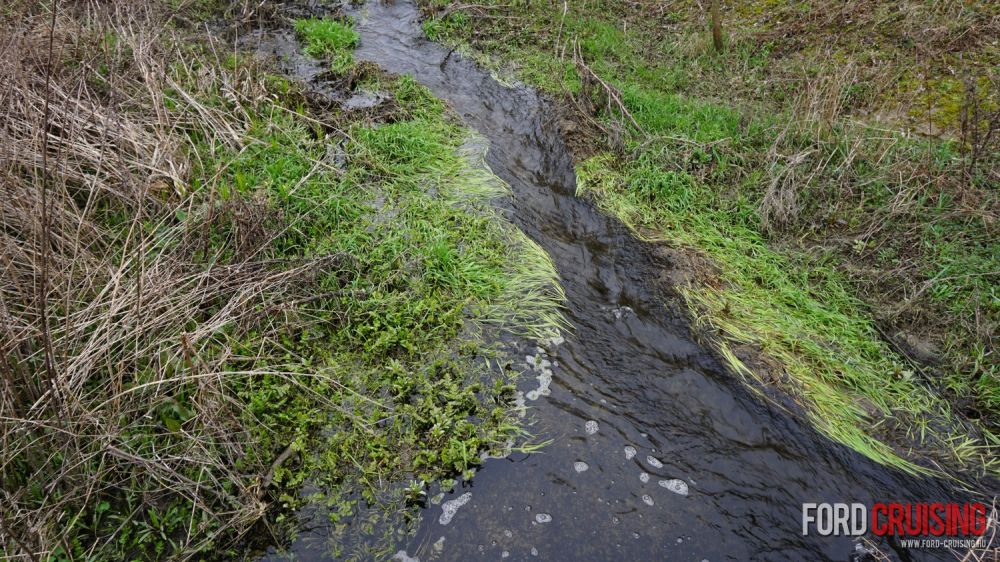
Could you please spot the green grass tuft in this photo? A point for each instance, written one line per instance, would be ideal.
(329, 39)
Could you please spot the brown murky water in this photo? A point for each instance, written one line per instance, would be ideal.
(658, 453)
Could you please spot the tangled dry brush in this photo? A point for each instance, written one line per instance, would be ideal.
(110, 306)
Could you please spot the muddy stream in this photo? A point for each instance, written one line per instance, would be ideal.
(657, 453)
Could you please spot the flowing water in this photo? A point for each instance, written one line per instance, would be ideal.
(657, 453)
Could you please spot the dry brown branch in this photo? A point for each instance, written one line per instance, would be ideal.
(612, 95)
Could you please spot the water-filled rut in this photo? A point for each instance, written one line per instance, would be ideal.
(658, 452)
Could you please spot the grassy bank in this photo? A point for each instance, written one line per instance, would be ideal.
(849, 263)
(215, 288)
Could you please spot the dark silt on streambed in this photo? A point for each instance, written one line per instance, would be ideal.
(657, 453)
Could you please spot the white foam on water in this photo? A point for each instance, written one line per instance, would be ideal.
(438, 545)
(402, 556)
(646, 499)
(555, 341)
(580, 466)
(519, 406)
(450, 507)
(654, 462)
(643, 477)
(676, 486)
(591, 427)
(630, 452)
(543, 518)
(542, 366)
(534, 551)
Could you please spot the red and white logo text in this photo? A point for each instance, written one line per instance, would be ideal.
(895, 519)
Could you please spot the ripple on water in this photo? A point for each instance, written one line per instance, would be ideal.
(450, 507)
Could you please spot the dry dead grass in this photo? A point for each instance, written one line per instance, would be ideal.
(110, 307)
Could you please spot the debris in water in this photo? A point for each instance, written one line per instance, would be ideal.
(676, 486)
(591, 427)
(580, 466)
(643, 477)
(629, 452)
(450, 507)
(543, 518)
(437, 498)
(654, 462)
(646, 499)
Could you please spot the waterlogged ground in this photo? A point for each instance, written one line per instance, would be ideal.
(656, 453)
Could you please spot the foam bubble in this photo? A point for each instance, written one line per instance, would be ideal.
(591, 427)
(646, 499)
(402, 556)
(543, 518)
(643, 477)
(629, 452)
(676, 486)
(580, 466)
(542, 367)
(450, 507)
(654, 462)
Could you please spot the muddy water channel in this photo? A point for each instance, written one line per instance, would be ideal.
(657, 452)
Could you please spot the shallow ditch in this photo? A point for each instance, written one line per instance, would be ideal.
(657, 452)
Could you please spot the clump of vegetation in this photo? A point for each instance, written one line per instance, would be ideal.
(330, 39)
(860, 263)
(213, 291)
